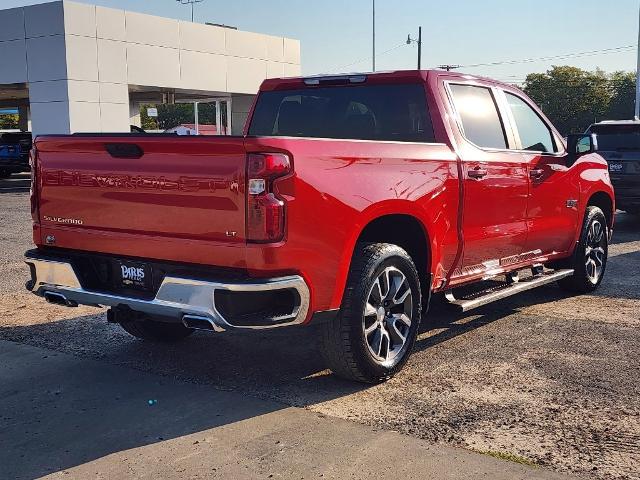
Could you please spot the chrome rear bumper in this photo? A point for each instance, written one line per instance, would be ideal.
(178, 299)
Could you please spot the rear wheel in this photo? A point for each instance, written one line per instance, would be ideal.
(590, 258)
(373, 335)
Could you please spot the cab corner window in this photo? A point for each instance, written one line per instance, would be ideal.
(534, 133)
(479, 115)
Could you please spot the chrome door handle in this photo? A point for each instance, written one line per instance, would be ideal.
(477, 173)
(536, 173)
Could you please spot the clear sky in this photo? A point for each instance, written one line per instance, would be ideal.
(336, 34)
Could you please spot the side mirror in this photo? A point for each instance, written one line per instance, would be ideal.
(579, 145)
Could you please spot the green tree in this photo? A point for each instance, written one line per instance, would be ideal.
(172, 115)
(622, 105)
(147, 122)
(9, 121)
(571, 97)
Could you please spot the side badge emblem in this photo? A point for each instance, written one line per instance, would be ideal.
(572, 203)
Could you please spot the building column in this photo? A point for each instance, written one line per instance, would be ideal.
(24, 120)
(114, 108)
(134, 114)
(240, 108)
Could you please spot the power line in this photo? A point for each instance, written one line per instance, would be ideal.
(588, 53)
(589, 81)
(365, 59)
(553, 57)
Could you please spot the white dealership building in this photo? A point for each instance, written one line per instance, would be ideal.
(72, 67)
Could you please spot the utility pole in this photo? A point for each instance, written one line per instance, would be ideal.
(637, 116)
(419, 48)
(374, 36)
(192, 3)
(419, 42)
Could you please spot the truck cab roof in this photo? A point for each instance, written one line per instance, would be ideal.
(386, 77)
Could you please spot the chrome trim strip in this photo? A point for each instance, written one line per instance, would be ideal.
(176, 297)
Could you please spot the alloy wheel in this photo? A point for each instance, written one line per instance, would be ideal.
(594, 253)
(388, 315)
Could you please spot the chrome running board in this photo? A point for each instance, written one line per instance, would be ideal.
(505, 290)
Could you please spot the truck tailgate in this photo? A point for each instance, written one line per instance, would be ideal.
(157, 186)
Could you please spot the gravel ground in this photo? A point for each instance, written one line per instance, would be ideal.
(15, 231)
(541, 378)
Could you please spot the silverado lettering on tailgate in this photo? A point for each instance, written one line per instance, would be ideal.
(136, 182)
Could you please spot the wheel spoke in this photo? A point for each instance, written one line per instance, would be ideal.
(591, 269)
(387, 284)
(396, 280)
(378, 289)
(385, 345)
(369, 310)
(598, 232)
(403, 296)
(376, 342)
(403, 318)
(398, 337)
(374, 326)
(598, 256)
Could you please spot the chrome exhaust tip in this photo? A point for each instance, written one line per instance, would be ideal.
(200, 323)
(58, 299)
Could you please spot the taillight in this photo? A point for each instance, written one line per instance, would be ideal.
(265, 210)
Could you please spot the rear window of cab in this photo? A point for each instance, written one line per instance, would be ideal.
(363, 112)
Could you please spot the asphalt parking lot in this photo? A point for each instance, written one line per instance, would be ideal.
(541, 380)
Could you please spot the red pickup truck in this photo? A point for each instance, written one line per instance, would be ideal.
(348, 201)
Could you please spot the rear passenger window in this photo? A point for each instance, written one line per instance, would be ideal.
(360, 112)
(534, 133)
(479, 116)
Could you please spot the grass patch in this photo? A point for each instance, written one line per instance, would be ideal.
(509, 457)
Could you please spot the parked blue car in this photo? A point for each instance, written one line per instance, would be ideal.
(14, 153)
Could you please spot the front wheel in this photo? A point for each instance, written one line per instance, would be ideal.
(590, 258)
(373, 335)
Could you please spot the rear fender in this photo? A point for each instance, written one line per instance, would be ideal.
(373, 212)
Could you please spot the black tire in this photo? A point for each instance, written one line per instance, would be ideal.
(152, 330)
(584, 279)
(346, 347)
